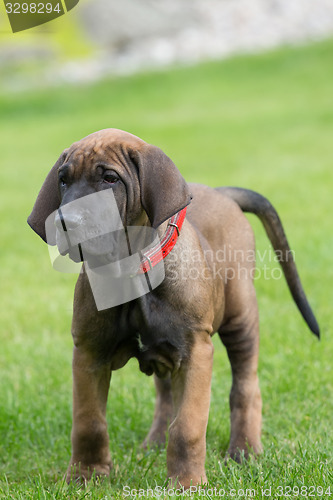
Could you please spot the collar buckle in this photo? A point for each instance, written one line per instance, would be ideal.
(174, 225)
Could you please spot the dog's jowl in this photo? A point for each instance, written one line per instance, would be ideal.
(182, 256)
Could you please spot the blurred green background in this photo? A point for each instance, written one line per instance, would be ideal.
(264, 122)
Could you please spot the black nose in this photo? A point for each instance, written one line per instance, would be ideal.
(67, 222)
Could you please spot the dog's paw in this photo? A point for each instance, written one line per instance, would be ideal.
(239, 455)
(155, 438)
(80, 473)
(187, 481)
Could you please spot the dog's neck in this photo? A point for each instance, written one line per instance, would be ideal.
(168, 236)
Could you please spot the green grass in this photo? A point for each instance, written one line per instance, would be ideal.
(263, 122)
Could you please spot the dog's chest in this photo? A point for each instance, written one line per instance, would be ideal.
(151, 331)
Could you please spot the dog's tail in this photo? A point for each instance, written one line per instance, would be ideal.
(250, 201)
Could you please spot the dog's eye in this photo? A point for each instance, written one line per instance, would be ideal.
(62, 181)
(110, 178)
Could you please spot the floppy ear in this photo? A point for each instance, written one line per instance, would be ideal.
(164, 192)
(47, 201)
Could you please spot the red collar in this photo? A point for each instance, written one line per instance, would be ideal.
(157, 253)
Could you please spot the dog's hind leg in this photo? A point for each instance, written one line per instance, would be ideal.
(240, 335)
(163, 413)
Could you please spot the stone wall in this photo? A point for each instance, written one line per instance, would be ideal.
(132, 35)
(139, 33)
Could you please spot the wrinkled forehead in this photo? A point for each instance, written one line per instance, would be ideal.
(110, 146)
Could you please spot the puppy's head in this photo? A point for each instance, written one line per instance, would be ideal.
(103, 183)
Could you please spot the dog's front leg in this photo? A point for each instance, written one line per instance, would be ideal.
(90, 440)
(187, 433)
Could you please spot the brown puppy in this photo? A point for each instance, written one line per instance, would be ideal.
(208, 288)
